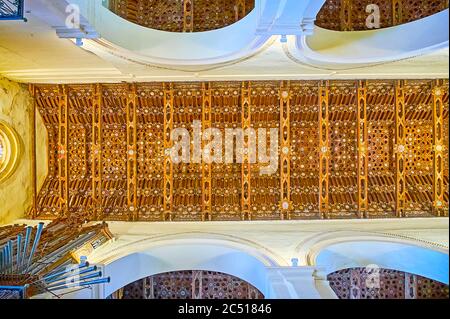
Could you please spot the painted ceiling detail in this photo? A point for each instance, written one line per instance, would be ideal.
(182, 16)
(205, 15)
(347, 149)
(379, 283)
(353, 15)
(192, 284)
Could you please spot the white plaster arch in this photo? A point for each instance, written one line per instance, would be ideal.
(151, 46)
(187, 251)
(345, 50)
(339, 250)
(119, 38)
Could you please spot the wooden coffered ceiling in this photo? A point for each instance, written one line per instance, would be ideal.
(355, 149)
(205, 15)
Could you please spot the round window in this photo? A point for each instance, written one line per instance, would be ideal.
(9, 151)
(1, 150)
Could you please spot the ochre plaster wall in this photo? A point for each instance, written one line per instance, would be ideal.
(16, 191)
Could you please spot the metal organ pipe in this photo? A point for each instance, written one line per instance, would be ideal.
(11, 253)
(19, 250)
(82, 284)
(65, 271)
(1, 260)
(56, 279)
(18, 256)
(76, 280)
(60, 268)
(26, 243)
(35, 243)
(4, 256)
(61, 251)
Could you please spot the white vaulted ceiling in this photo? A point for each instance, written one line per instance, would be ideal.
(33, 52)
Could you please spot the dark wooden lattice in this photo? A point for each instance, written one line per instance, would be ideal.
(190, 285)
(170, 15)
(351, 15)
(205, 15)
(358, 283)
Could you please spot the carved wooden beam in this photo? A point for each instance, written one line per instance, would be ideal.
(363, 157)
(33, 212)
(438, 149)
(63, 149)
(97, 166)
(239, 10)
(206, 167)
(149, 288)
(355, 284)
(197, 284)
(397, 12)
(410, 286)
(188, 16)
(285, 146)
(324, 149)
(132, 153)
(346, 15)
(246, 165)
(168, 165)
(399, 149)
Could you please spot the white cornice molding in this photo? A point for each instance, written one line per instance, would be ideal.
(334, 50)
(240, 40)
